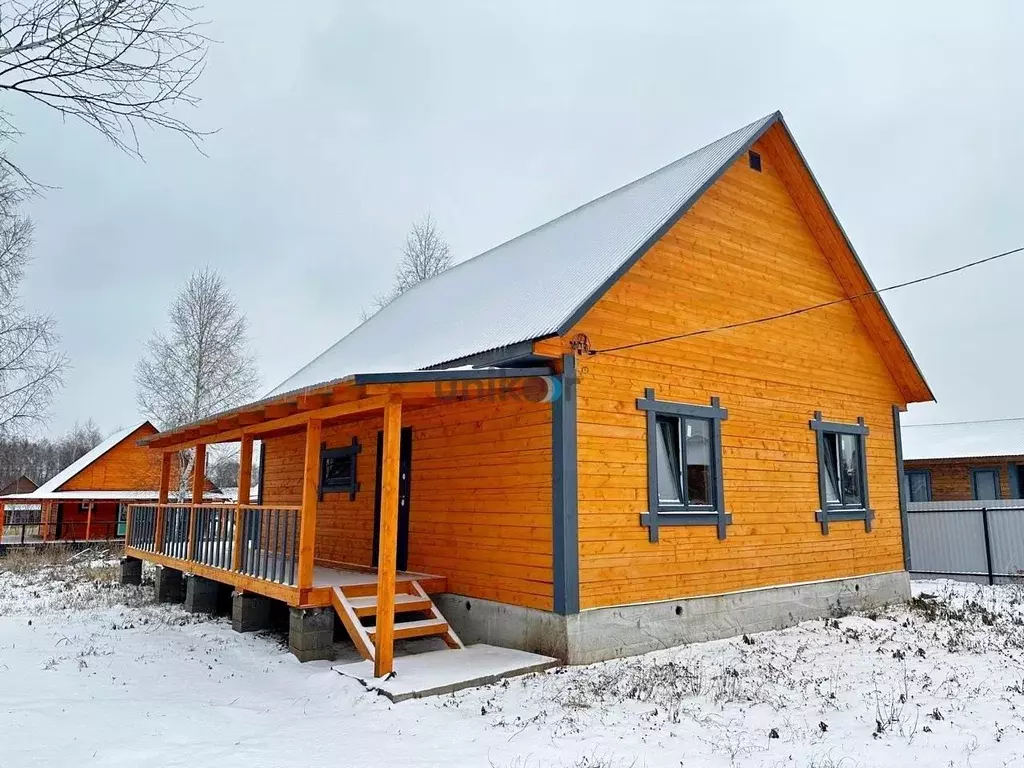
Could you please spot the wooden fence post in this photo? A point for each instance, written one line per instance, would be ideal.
(307, 517)
(387, 555)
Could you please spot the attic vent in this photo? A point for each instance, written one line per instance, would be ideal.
(755, 160)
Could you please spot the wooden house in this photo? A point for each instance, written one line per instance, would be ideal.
(87, 500)
(964, 461)
(21, 484)
(588, 441)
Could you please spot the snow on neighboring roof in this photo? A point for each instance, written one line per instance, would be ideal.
(111, 496)
(55, 482)
(997, 437)
(530, 286)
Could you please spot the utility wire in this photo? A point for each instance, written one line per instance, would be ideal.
(969, 421)
(804, 310)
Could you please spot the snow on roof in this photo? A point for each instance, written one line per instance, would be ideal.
(111, 496)
(530, 286)
(999, 437)
(55, 482)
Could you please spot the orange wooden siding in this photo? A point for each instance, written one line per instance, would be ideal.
(480, 496)
(125, 467)
(951, 478)
(743, 251)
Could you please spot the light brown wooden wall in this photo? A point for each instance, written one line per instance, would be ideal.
(743, 251)
(480, 507)
(951, 478)
(125, 467)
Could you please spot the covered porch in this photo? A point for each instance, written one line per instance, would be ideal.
(272, 549)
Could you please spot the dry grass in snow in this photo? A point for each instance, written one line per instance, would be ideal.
(95, 673)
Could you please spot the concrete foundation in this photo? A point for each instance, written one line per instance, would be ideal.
(131, 570)
(168, 585)
(608, 633)
(250, 612)
(201, 594)
(311, 633)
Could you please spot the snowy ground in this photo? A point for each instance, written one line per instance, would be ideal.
(93, 673)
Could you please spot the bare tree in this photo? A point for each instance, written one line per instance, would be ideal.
(114, 64)
(31, 365)
(425, 254)
(203, 364)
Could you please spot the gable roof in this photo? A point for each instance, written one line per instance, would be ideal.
(965, 439)
(21, 484)
(541, 283)
(55, 482)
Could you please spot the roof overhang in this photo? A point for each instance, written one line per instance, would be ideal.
(351, 396)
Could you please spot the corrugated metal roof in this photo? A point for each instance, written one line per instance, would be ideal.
(964, 439)
(528, 287)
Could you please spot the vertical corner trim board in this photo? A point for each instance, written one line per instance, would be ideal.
(901, 488)
(565, 527)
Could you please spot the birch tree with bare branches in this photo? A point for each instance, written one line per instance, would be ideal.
(116, 65)
(202, 364)
(425, 254)
(31, 363)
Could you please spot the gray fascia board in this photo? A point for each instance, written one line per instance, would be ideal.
(408, 377)
(501, 356)
(593, 298)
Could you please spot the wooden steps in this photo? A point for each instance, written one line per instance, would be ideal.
(404, 603)
(410, 599)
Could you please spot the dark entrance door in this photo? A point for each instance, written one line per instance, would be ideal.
(60, 522)
(404, 472)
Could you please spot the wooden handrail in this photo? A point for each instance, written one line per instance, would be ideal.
(222, 505)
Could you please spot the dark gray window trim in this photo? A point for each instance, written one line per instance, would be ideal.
(903, 496)
(564, 485)
(999, 481)
(326, 453)
(262, 470)
(829, 512)
(927, 473)
(654, 518)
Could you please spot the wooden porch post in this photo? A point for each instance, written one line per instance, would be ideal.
(163, 493)
(88, 521)
(307, 517)
(244, 481)
(3, 520)
(198, 484)
(384, 637)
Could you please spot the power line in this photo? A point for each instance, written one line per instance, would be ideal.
(969, 421)
(804, 310)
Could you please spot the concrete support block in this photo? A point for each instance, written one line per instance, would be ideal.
(201, 594)
(131, 570)
(311, 633)
(250, 612)
(168, 585)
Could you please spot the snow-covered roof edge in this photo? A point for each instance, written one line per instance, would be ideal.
(66, 474)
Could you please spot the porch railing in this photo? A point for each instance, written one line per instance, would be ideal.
(261, 542)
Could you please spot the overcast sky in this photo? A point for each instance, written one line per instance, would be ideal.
(339, 126)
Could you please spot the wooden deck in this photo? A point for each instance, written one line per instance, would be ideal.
(353, 578)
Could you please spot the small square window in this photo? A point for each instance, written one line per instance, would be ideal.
(338, 469)
(755, 161)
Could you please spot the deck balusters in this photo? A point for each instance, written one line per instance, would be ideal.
(269, 537)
